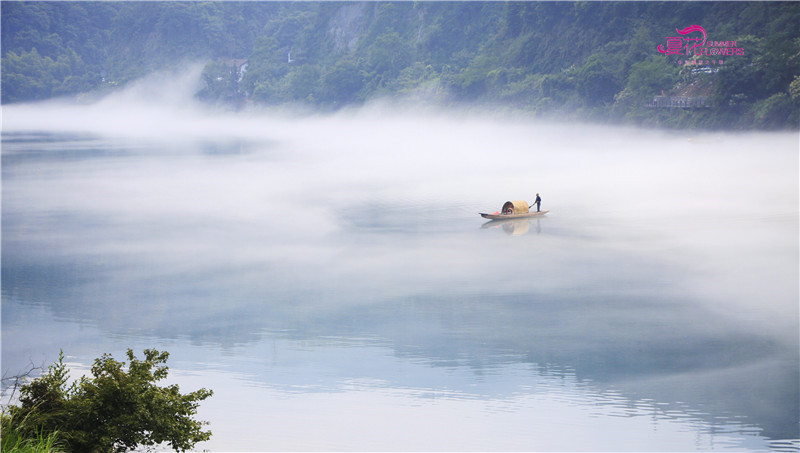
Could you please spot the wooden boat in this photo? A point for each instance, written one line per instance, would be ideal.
(513, 216)
(513, 210)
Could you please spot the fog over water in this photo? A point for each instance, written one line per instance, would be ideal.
(328, 275)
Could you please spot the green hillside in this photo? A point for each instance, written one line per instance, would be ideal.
(579, 60)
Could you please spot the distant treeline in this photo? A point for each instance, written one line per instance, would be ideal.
(583, 60)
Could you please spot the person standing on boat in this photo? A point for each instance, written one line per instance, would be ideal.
(538, 202)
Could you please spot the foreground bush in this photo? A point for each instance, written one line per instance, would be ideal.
(114, 410)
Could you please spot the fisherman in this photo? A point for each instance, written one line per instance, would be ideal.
(538, 203)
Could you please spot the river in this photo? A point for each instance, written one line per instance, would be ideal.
(329, 277)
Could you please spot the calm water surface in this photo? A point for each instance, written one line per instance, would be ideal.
(329, 277)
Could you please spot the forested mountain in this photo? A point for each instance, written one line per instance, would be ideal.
(589, 60)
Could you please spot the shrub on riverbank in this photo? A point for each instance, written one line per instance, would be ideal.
(117, 409)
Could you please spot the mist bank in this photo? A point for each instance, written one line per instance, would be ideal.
(681, 200)
(153, 151)
(595, 61)
(163, 106)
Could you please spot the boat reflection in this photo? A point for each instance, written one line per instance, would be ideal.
(514, 227)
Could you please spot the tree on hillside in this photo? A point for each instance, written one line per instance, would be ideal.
(389, 54)
(596, 81)
(342, 82)
(648, 78)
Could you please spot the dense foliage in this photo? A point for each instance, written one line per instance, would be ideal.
(114, 410)
(595, 60)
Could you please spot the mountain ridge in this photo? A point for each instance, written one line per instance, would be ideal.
(577, 60)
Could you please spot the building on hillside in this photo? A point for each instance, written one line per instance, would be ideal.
(680, 102)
